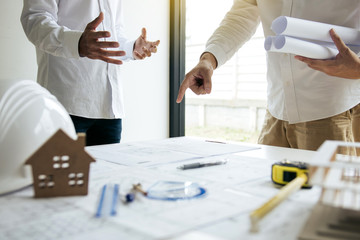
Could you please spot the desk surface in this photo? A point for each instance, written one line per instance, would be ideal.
(233, 191)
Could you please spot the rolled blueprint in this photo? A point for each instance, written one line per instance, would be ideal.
(301, 28)
(269, 43)
(285, 44)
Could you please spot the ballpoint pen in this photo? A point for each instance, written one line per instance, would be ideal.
(201, 164)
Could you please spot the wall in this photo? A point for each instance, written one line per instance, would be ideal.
(146, 85)
(17, 59)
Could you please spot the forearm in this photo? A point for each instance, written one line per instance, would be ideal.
(39, 21)
(236, 28)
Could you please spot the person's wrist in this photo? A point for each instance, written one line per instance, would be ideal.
(358, 68)
(80, 47)
(210, 58)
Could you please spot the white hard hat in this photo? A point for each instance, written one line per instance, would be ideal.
(29, 116)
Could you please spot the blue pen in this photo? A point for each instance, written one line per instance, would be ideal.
(101, 202)
(115, 199)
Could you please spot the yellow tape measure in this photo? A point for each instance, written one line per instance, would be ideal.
(285, 171)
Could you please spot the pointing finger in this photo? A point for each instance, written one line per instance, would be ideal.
(184, 85)
(181, 93)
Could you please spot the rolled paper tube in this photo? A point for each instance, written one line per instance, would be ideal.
(295, 46)
(306, 29)
(269, 43)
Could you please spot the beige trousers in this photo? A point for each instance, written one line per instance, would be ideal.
(310, 135)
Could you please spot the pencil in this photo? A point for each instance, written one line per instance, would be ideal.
(291, 187)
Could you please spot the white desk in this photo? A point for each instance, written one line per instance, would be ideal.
(233, 191)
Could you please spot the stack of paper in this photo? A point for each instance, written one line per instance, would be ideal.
(308, 38)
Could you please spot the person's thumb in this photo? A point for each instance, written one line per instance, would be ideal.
(207, 84)
(96, 22)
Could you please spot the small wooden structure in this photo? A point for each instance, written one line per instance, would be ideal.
(337, 214)
(61, 166)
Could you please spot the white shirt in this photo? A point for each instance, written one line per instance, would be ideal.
(296, 93)
(87, 88)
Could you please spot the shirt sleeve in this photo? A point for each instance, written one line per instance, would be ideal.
(39, 21)
(126, 44)
(235, 29)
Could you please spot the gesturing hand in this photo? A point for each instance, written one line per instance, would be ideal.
(199, 78)
(144, 48)
(345, 65)
(91, 47)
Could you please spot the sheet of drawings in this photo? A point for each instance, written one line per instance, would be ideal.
(163, 151)
(233, 190)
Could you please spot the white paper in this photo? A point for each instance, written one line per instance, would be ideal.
(308, 38)
(269, 43)
(233, 190)
(165, 151)
(285, 44)
(301, 28)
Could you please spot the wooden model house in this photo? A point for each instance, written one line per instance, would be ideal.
(61, 166)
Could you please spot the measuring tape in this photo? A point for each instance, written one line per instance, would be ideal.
(285, 171)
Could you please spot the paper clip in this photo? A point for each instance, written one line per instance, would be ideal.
(108, 200)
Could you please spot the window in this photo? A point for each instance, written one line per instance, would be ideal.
(61, 162)
(236, 107)
(76, 179)
(45, 181)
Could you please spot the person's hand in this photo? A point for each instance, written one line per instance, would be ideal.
(199, 78)
(144, 48)
(90, 45)
(345, 65)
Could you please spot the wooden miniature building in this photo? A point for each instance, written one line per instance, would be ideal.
(61, 166)
(336, 169)
(338, 174)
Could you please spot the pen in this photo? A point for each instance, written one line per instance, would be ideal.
(114, 200)
(200, 165)
(212, 141)
(101, 202)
